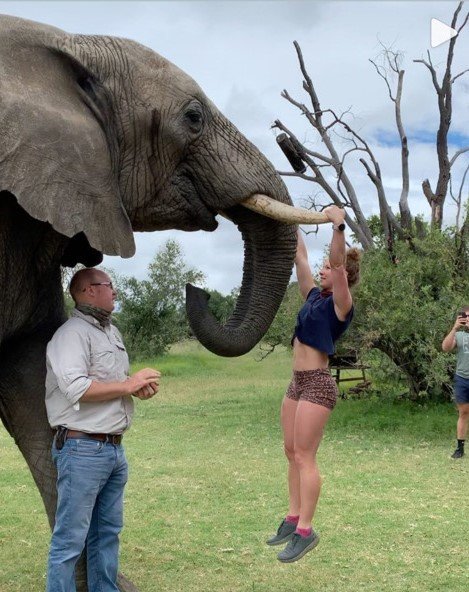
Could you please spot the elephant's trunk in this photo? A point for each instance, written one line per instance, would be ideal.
(269, 251)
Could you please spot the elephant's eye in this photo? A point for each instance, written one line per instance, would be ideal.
(194, 119)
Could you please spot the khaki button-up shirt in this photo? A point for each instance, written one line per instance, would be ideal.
(81, 351)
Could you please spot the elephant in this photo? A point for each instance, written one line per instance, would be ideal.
(102, 137)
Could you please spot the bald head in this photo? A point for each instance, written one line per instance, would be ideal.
(82, 279)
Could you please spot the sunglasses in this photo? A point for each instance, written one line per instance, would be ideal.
(108, 284)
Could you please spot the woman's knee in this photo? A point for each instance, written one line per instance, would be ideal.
(304, 457)
(289, 451)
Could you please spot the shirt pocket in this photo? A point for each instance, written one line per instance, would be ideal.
(103, 363)
(121, 358)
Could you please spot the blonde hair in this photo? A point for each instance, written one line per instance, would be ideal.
(352, 265)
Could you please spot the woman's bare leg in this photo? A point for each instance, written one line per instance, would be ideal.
(310, 420)
(287, 416)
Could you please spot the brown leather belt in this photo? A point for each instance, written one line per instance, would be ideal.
(111, 438)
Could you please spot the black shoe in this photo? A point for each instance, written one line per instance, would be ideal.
(297, 547)
(458, 453)
(284, 533)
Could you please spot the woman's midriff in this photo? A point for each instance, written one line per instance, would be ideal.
(308, 358)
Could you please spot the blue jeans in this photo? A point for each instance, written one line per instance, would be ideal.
(91, 476)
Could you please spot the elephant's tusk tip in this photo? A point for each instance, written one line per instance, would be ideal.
(266, 206)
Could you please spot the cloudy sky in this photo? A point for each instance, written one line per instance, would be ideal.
(242, 55)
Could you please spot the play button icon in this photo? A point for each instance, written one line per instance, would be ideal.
(441, 33)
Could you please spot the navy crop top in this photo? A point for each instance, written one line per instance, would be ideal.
(317, 324)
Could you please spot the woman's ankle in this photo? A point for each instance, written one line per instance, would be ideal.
(304, 532)
(292, 518)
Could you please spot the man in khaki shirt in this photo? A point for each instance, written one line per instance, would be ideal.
(89, 402)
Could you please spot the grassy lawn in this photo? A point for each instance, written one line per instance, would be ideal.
(207, 487)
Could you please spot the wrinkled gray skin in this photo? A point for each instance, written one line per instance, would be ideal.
(101, 137)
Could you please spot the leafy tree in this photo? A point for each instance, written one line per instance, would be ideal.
(281, 330)
(222, 305)
(152, 314)
(405, 307)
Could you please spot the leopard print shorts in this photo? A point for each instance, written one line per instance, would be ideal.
(315, 386)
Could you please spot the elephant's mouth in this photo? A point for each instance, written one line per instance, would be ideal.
(204, 216)
(200, 213)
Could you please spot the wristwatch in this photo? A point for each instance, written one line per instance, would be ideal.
(340, 227)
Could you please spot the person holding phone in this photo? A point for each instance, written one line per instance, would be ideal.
(459, 338)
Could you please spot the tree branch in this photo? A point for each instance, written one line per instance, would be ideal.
(293, 174)
(427, 191)
(338, 199)
(309, 84)
(458, 75)
(457, 154)
(429, 65)
(384, 77)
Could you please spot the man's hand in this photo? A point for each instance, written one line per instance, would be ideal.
(144, 383)
(460, 322)
(147, 392)
(335, 214)
(449, 342)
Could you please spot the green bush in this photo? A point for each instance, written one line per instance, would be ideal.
(406, 307)
(152, 314)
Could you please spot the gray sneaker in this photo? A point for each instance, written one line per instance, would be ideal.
(284, 533)
(297, 547)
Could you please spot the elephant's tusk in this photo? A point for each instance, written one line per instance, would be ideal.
(283, 212)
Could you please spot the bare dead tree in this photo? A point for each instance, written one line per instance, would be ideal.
(392, 61)
(458, 198)
(329, 167)
(342, 193)
(444, 91)
(318, 161)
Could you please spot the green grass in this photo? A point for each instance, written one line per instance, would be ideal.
(207, 487)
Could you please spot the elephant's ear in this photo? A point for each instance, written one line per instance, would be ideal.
(58, 146)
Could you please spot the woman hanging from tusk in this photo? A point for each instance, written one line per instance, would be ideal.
(312, 392)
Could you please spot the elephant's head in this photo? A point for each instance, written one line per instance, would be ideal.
(101, 136)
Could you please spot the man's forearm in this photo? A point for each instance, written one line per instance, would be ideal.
(105, 391)
(449, 341)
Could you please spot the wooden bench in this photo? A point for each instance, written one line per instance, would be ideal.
(349, 362)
